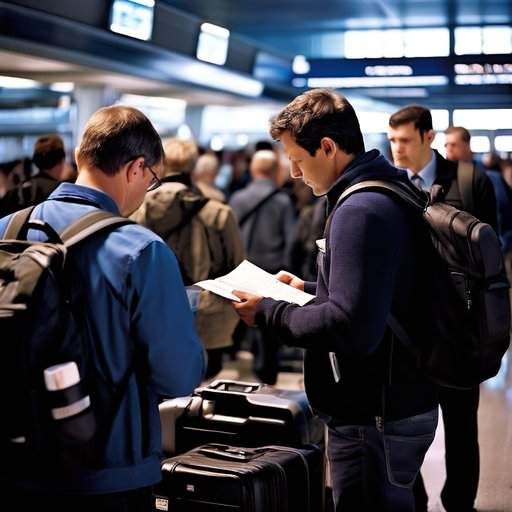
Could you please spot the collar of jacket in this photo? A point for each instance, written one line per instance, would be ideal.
(365, 166)
(184, 178)
(446, 171)
(82, 193)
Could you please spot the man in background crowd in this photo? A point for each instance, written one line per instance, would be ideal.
(458, 148)
(204, 174)
(411, 135)
(49, 157)
(204, 236)
(266, 217)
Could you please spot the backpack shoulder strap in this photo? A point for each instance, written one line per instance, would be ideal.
(90, 224)
(465, 178)
(16, 223)
(401, 190)
(186, 219)
(257, 206)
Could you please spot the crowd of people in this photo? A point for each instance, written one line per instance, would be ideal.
(381, 413)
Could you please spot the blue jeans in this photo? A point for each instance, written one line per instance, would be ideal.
(373, 469)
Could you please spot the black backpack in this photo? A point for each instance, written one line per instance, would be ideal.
(463, 327)
(42, 325)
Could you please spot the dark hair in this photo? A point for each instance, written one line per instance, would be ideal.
(420, 116)
(263, 144)
(316, 114)
(48, 152)
(464, 134)
(115, 135)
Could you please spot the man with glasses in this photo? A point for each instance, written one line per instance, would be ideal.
(137, 318)
(155, 182)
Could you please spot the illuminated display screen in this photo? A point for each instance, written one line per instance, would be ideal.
(212, 45)
(272, 68)
(132, 18)
(405, 72)
(483, 73)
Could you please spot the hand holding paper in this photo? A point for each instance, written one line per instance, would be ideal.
(246, 309)
(249, 278)
(291, 279)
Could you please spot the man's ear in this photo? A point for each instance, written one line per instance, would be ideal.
(430, 135)
(329, 147)
(133, 168)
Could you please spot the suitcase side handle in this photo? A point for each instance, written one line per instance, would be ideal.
(232, 386)
(226, 452)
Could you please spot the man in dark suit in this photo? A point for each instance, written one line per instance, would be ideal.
(411, 135)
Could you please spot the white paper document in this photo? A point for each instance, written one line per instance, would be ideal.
(250, 278)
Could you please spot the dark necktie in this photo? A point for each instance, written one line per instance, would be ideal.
(418, 182)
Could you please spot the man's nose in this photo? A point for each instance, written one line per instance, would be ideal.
(295, 171)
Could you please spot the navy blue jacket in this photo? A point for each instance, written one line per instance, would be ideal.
(368, 270)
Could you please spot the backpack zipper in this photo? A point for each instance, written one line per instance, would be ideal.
(467, 293)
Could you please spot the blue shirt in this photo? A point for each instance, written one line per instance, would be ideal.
(137, 309)
(427, 174)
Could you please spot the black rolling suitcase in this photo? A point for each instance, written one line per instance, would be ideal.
(239, 414)
(221, 478)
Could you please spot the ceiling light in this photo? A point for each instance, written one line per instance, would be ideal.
(11, 82)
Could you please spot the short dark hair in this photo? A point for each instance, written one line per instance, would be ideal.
(263, 144)
(464, 134)
(115, 135)
(420, 116)
(48, 152)
(316, 114)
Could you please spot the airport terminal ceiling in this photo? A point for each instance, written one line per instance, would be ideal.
(299, 24)
(319, 31)
(50, 71)
(329, 43)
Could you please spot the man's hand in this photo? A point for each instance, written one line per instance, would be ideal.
(247, 308)
(287, 278)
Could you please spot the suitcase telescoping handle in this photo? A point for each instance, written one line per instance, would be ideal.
(226, 452)
(232, 386)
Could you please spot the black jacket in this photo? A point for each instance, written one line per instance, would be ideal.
(29, 193)
(484, 197)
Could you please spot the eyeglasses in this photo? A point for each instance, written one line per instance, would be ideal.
(155, 182)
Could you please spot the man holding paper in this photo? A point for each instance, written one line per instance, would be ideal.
(381, 412)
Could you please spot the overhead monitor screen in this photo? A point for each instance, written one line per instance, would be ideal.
(132, 18)
(212, 45)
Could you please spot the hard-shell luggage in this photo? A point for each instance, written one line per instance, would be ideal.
(240, 414)
(220, 478)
